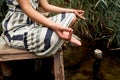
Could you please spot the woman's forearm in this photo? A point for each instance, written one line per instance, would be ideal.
(51, 8)
(35, 15)
(40, 19)
(56, 9)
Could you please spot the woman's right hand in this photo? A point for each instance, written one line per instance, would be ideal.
(66, 34)
(61, 32)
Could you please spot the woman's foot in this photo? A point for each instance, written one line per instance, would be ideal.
(75, 40)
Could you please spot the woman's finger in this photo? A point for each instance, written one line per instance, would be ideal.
(79, 14)
(68, 33)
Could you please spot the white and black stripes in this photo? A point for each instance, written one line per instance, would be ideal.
(23, 33)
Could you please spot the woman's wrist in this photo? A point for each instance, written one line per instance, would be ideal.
(55, 26)
(72, 11)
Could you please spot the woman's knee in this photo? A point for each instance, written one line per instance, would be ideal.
(74, 20)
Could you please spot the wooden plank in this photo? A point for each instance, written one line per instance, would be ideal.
(59, 66)
(10, 54)
(18, 57)
(16, 54)
(12, 51)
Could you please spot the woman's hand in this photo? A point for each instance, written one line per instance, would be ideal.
(61, 32)
(66, 34)
(79, 13)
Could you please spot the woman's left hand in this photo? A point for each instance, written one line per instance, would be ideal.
(79, 13)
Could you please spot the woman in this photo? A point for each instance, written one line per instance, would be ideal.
(26, 28)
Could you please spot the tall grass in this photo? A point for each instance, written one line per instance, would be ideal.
(103, 22)
(3, 10)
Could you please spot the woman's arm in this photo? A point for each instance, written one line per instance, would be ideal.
(35, 15)
(51, 8)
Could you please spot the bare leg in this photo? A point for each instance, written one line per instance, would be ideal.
(73, 40)
(73, 22)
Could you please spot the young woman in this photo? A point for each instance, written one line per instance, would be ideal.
(26, 28)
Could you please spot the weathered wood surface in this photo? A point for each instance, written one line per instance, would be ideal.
(59, 66)
(11, 54)
(16, 54)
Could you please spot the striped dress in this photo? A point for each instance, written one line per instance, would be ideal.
(21, 32)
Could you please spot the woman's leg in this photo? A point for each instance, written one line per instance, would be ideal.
(73, 22)
(73, 39)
